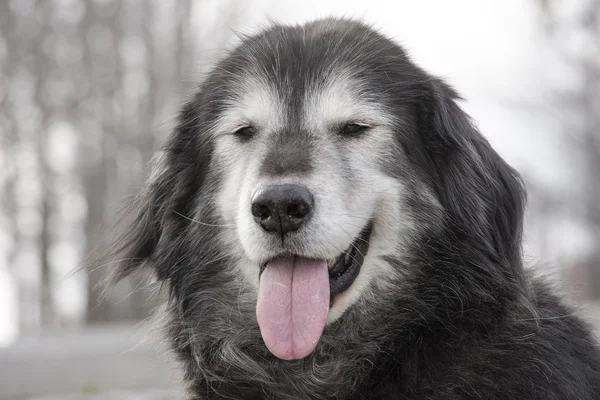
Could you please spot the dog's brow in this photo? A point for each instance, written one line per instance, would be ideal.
(341, 99)
(254, 103)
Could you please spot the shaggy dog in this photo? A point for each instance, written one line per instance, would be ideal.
(329, 224)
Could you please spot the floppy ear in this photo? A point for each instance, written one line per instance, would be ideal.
(482, 195)
(141, 226)
(147, 233)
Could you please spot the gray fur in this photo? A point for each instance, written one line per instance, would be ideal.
(284, 158)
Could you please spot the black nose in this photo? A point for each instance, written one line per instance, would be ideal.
(282, 208)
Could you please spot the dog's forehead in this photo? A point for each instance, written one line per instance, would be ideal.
(310, 76)
(267, 102)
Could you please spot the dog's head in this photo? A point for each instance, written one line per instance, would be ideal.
(311, 157)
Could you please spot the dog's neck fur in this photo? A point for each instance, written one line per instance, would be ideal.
(224, 356)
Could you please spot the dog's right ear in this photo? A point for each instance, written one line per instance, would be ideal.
(139, 230)
(152, 221)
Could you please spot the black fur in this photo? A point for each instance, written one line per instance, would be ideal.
(465, 322)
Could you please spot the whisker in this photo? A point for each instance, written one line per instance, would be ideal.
(352, 243)
(138, 288)
(358, 238)
(353, 216)
(117, 261)
(204, 223)
(219, 258)
(342, 251)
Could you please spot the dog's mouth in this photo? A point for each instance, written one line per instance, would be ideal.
(344, 269)
(295, 295)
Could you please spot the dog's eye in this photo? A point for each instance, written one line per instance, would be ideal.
(353, 129)
(245, 132)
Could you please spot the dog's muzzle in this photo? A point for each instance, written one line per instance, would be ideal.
(296, 292)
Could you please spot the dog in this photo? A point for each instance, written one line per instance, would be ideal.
(327, 223)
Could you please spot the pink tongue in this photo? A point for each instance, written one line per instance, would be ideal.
(293, 302)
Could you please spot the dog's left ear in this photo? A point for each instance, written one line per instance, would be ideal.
(482, 195)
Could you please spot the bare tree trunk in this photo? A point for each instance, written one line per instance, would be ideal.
(9, 140)
(95, 189)
(141, 298)
(41, 70)
(46, 300)
(582, 105)
(101, 65)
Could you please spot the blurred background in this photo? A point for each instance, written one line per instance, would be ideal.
(89, 88)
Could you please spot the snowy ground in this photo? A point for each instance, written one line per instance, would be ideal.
(156, 394)
(92, 363)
